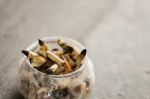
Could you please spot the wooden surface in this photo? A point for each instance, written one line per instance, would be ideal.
(115, 32)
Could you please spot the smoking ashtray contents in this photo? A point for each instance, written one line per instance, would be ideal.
(56, 68)
(55, 61)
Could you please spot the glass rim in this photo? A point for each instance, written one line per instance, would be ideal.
(34, 45)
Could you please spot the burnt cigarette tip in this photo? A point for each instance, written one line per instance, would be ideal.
(41, 42)
(60, 41)
(69, 49)
(83, 52)
(25, 52)
(55, 49)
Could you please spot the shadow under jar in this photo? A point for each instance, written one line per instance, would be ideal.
(34, 84)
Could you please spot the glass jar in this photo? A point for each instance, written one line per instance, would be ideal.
(34, 84)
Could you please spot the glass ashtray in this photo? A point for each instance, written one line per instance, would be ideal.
(34, 84)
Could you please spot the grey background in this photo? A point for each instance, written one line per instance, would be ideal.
(115, 32)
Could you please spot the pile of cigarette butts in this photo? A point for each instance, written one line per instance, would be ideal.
(55, 61)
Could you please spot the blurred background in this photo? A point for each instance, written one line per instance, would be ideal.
(115, 32)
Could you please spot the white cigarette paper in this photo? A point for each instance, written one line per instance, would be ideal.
(55, 58)
(54, 67)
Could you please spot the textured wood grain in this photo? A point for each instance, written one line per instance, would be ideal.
(115, 32)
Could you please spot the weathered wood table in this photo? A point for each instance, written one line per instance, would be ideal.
(115, 32)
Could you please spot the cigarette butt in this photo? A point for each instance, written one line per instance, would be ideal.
(74, 55)
(55, 58)
(43, 48)
(58, 52)
(29, 54)
(68, 49)
(60, 41)
(35, 59)
(60, 70)
(53, 68)
(44, 45)
(68, 67)
(64, 46)
(70, 61)
(80, 57)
